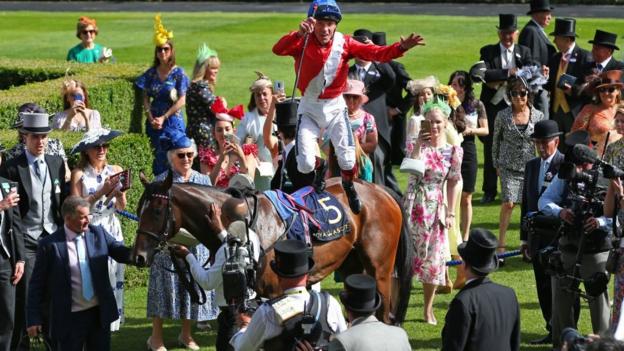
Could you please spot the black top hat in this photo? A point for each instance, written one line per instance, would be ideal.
(292, 259)
(565, 27)
(286, 113)
(545, 129)
(379, 38)
(360, 294)
(539, 6)
(480, 251)
(577, 137)
(507, 22)
(605, 39)
(362, 34)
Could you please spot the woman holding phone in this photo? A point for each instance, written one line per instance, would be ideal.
(229, 157)
(77, 116)
(437, 172)
(99, 183)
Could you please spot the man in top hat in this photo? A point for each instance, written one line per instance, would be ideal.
(554, 203)
(361, 299)
(538, 173)
(571, 60)
(378, 78)
(483, 315)
(322, 57)
(277, 323)
(502, 61)
(534, 37)
(603, 46)
(286, 121)
(41, 190)
(399, 102)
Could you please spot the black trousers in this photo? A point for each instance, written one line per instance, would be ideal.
(490, 179)
(86, 333)
(20, 337)
(7, 303)
(227, 328)
(382, 167)
(397, 136)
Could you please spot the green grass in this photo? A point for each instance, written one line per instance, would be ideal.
(244, 44)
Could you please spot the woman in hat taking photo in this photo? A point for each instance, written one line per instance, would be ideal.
(165, 297)
(512, 148)
(164, 88)
(100, 183)
(78, 115)
(250, 130)
(200, 96)
(597, 118)
(87, 51)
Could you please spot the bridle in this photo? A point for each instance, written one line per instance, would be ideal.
(168, 225)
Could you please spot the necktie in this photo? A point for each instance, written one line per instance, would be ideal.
(361, 73)
(37, 168)
(85, 271)
(542, 174)
(599, 68)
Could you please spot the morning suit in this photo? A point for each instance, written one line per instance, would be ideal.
(369, 334)
(378, 79)
(31, 196)
(530, 195)
(591, 68)
(51, 283)
(534, 37)
(564, 115)
(11, 252)
(491, 55)
(482, 316)
(398, 98)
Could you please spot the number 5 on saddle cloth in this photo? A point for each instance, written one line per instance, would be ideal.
(308, 214)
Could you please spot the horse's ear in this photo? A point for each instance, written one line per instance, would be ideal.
(168, 181)
(143, 179)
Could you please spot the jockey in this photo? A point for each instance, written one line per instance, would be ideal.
(322, 80)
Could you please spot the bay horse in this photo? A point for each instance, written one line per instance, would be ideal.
(378, 241)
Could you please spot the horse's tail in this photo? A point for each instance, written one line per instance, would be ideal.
(403, 264)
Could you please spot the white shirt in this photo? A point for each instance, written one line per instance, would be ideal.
(507, 56)
(264, 326)
(604, 63)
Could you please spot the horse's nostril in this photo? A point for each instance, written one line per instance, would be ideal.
(140, 260)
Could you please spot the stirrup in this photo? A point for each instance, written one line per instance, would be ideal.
(319, 177)
(354, 201)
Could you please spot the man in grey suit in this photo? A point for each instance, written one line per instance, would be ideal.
(361, 300)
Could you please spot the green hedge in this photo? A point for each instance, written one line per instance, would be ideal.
(130, 151)
(110, 87)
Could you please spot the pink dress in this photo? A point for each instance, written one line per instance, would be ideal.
(424, 203)
(210, 157)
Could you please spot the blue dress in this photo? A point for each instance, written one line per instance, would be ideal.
(166, 297)
(162, 98)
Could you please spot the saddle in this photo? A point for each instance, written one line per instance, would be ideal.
(310, 215)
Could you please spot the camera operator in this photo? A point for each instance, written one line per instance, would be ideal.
(614, 205)
(558, 201)
(234, 213)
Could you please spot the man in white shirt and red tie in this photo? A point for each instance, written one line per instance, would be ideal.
(322, 79)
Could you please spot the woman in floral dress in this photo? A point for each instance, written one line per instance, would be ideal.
(424, 200)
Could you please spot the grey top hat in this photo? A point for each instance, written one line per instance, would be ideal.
(35, 123)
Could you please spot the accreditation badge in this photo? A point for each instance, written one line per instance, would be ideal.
(57, 186)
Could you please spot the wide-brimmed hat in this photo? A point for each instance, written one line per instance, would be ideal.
(480, 251)
(605, 39)
(362, 35)
(286, 113)
(360, 294)
(507, 22)
(379, 38)
(545, 129)
(477, 72)
(577, 137)
(540, 6)
(95, 137)
(35, 123)
(415, 86)
(356, 87)
(565, 27)
(610, 78)
(292, 259)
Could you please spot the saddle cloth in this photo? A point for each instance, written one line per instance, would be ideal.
(309, 214)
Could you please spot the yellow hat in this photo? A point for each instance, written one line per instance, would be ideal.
(161, 35)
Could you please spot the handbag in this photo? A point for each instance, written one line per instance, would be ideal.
(412, 166)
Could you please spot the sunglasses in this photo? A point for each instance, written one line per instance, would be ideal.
(102, 146)
(605, 90)
(90, 31)
(520, 93)
(188, 155)
(163, 49)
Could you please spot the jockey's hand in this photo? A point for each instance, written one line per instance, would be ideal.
(411, 41)
(181, 251)
(307, 26)
(243, 319)
(33, 330)
(303, 345)
(213, 219)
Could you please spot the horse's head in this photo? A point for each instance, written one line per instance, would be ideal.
(156, 220)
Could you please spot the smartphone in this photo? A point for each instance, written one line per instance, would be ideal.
(13, 186)
(425, 126)
(231, 138)
(77, 97)
(124, 179)
(278, 87)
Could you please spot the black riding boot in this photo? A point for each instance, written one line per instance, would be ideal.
(349, 188)
(319, 175)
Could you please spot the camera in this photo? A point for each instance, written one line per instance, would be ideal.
(239, 271)
(550, 258)
(573, 340)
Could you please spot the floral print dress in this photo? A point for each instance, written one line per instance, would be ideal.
(200, 118)
(424, 203)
